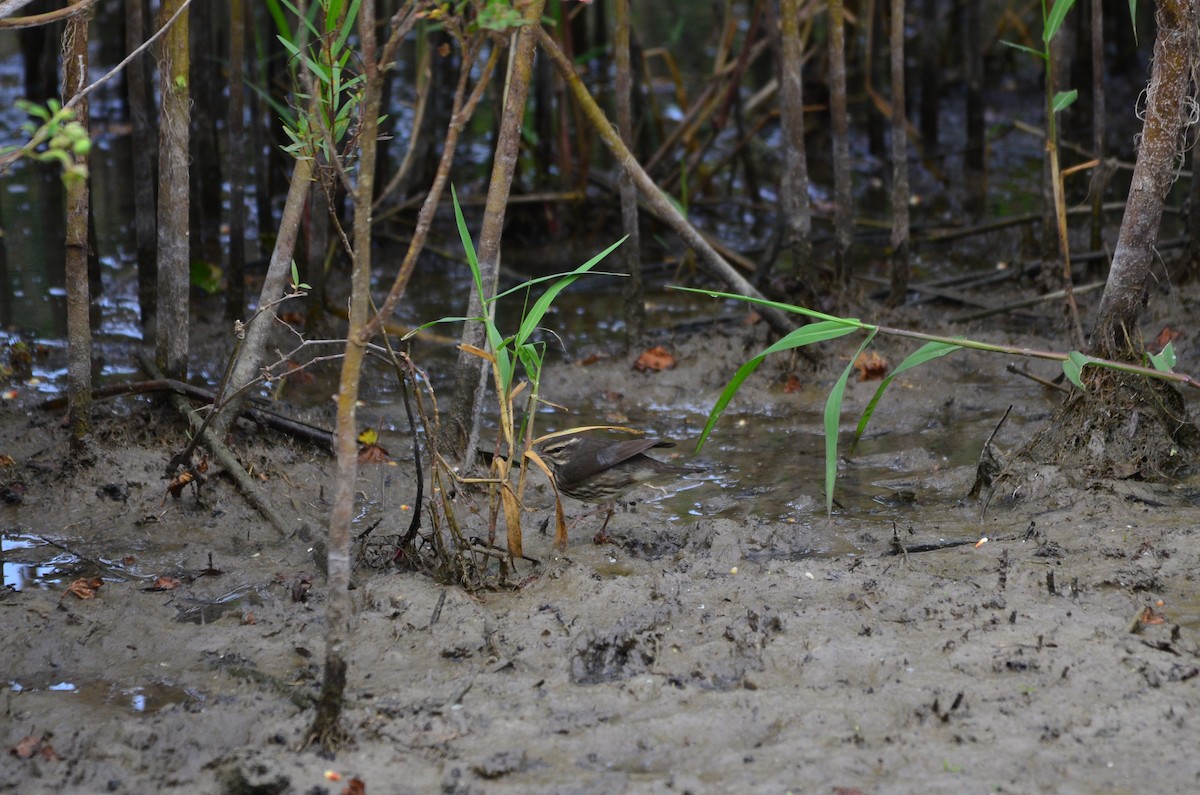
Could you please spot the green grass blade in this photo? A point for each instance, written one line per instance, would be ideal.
(1055, 20)
(833, 413)
(796, 310)
(533, 317)
(1023, 48)
(525, 285)
(927, 352)
(468, 245)
(806, 335)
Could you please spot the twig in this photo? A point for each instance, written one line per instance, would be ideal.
(1012, 368)
(1037, 299)
(37, 20)
(226, 459)
(75, 100)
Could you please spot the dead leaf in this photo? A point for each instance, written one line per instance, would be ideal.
(590, 359)
(871, 366)
(85, 587)
(30, 746)
(165, 583)
(178, 483)
(248, 620)
(26, 747)
(1152, 617)
(373, 454)
(355, 787)
(1167, 334)
(792, 385)
(7, 461)
(752, 318)
(656, 359)
(298, 375)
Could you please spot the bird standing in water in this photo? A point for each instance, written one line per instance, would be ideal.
(597, 470)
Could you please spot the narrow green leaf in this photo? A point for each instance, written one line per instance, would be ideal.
(275, 9)
(525, 285)
(806, 335)
(531, 357)
(927, 352)
(533, 317)
(1133, 18)
(1055, 20)
(439, 321)
(1023, 48)
(833, 413)
(468, 245)
(1064, 99)
(289, 46)
(339, 43)
(797, 310)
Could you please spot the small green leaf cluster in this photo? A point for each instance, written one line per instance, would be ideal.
(319, 46)
(1052, 22)
(55, 136)
(495, 15)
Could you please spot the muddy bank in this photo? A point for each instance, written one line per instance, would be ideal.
(732, 639)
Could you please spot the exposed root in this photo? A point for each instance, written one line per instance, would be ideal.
(1123, 427)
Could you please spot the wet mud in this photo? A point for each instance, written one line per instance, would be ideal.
(730, 639)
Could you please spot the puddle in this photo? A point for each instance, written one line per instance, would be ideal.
(194, 611)
(99, 693)
(29, 562)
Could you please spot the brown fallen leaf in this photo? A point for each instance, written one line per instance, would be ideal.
(792, 385)
(1167, 334)
(355, 786)
(298, 375)
(177, 484)
(30, 746)
(871, 366)
(165, 583)
(656, 359)
(1152, 617)
(373, 454)
(85, 587)
(26, 747)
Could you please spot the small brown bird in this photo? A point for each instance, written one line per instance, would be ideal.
(597, 470)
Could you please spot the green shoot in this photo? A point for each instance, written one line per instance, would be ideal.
(829, 327)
